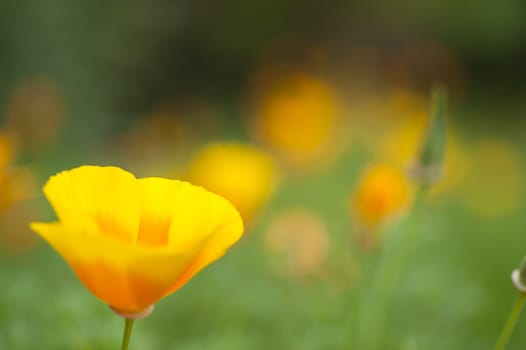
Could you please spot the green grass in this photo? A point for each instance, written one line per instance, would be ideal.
(453, 293)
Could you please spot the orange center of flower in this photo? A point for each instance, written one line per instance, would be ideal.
(154, 230)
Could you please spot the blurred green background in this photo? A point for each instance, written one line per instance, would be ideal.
(280, 107)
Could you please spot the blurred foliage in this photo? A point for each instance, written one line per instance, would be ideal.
(317, 93)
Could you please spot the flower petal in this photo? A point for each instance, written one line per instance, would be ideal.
(194, 213)
(108, 196)
(219, 241)
(202, 215)
(129, 278)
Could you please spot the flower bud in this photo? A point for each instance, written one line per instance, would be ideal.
(429, 165)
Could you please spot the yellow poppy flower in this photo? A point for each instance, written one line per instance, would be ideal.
(134, 241)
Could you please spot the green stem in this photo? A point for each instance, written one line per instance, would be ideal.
(128, 326)
(376, 305)
(509, 326)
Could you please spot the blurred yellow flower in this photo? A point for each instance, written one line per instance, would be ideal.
(403, 119)
(382, 192)
(298, 117)
(134, 241)
(399, 145)
(243, 174)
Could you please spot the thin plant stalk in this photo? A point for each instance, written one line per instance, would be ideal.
(128, 326)
(509, 326)
(376, 306)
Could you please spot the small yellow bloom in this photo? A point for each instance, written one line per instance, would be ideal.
(134, 241)
(382, 192)
(242, 173)
(299, 117)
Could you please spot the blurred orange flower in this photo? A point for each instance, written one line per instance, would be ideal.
(242, 173)
(134, 241)
(383, 191)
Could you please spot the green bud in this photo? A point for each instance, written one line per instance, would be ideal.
(429, 163)
(434, 145)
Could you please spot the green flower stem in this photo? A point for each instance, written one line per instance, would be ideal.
(128, 326)
(376, 306)
(509, 326)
